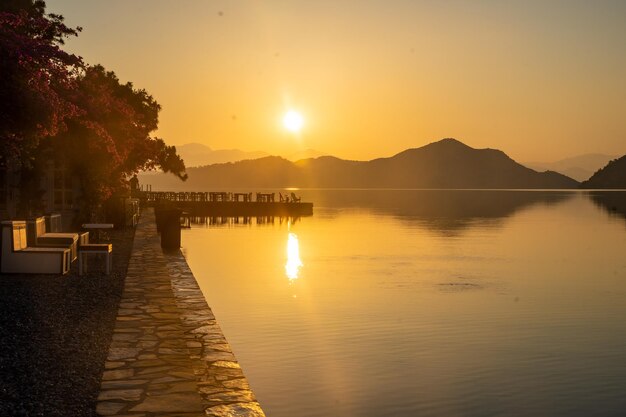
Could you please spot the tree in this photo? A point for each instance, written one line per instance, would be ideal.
(111, 137)
(54, 107)
(36, 76)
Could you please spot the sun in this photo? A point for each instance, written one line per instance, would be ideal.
(293, 121)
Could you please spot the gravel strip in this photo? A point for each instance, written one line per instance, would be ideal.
(55, 333)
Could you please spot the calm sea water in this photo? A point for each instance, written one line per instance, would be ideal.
(426, 303)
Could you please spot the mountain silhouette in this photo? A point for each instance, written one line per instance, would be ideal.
(197, 154)
(612, 176)
(580, 167)
(446, 164)
(305, 154)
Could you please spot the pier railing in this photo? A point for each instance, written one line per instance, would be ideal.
(230, 204)
(154, 196)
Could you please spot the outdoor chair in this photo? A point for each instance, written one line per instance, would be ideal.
(18, 258)
(85, 249)
(295, 199)
(39, 237)
(53, 223)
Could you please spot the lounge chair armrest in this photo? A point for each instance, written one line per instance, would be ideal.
(83, 239)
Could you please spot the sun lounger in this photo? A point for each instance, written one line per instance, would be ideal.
(39, 237)
(18, 258)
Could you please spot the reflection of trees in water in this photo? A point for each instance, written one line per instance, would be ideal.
(232, 221)
(445, 211)
(614, 202)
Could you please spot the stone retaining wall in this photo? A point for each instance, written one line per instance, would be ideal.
(168, 356)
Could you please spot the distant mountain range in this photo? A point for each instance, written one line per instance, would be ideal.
(579, 167)
(444, 164)
(305, 154)
(196, 154)
(612, 176)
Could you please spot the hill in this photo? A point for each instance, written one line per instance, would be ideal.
(612, 176)
(196, 154)
(305, 154)
(579, 167)
(444, 164)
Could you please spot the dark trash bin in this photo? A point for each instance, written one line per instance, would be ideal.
(170, 228)
(158, 209)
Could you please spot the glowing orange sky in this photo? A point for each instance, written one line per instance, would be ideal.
(539, 80)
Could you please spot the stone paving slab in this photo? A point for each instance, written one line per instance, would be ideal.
(222, 383)
(168, 356)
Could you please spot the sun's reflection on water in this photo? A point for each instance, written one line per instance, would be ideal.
(292, 267)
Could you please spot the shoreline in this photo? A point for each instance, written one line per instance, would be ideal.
(168, 354)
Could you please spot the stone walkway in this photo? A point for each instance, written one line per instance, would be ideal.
(168, 356)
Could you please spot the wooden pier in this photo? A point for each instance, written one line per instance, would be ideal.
(229, 204)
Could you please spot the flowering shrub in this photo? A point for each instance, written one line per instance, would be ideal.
(55, 107)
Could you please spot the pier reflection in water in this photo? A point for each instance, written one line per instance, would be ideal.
(293, 264)
(232, 221)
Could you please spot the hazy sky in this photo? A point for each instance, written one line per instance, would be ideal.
(541, 80)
